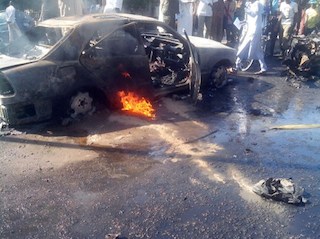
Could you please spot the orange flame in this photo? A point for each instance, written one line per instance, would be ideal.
(135, 104)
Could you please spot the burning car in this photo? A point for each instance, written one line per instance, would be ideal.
(70, 64)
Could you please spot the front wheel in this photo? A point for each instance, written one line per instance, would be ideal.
(81, 104)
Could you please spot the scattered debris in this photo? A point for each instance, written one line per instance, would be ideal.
(280, 189)
(296, 126)
(5, 130)
(3, 126)
(114, 236)
(303, 60)
(202, 137)
(248, 151)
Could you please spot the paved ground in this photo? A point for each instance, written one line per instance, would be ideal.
(186, 174)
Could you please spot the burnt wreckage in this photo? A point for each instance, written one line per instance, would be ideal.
(303, 59)
(168, 60)
(70, 65)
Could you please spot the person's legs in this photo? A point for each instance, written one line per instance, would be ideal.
(201, 20)
(228, 33)
(220, 30)
(16, 30)
(263, 65)
(274, 31)
(281, 36)
(286, 36)
(208, 23)
(238, 61)
(10, 30)
(170, 21)
(302, 22)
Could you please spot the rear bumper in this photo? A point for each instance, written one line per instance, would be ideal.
(17, 114)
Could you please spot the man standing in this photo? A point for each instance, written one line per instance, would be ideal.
(288, 11)
(250, 47)
(204, 13)
(311, 18)
(168, 11)
(70, 8)
(229, 9)
(13, 28)
(217, 20)
(49, 9)
(185, 18)
(113, 6)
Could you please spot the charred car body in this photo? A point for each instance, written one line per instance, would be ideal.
(303, 59)
(69, 64)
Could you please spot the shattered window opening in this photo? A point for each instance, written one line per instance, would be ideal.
(35, 43)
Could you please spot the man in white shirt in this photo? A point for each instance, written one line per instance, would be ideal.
(13, 28)
(250, 47)
(185, 17)
(113, 6)
(204, 13)
(288, 11)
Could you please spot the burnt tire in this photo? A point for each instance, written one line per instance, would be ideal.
(219, 76)
(81, 103)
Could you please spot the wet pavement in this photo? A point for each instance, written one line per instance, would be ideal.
(186, 174)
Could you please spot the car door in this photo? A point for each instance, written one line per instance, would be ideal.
(118, 62)
(172, 58)
(195, 81)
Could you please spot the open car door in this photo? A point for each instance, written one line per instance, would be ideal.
(118, 62)
(195, 73)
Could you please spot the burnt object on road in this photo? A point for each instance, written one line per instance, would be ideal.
(303, 59)
(280, 189)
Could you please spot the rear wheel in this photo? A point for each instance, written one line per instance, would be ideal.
(219, 76)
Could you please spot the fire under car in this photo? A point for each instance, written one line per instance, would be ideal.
(71, 64)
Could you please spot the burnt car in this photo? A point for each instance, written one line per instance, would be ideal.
(24, 22)
(71, 64)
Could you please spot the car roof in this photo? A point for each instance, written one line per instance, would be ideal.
(73, 21)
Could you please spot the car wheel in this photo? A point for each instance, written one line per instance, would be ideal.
(219, 76)
(81, 104)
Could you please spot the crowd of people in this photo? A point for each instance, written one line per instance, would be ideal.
(212, 19)
(215, 19)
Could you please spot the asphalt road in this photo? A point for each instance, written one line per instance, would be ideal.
(187, 174)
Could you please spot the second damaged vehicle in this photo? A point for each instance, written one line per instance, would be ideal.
(70, 64)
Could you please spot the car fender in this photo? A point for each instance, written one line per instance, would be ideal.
(212, 52)
(42, 75)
